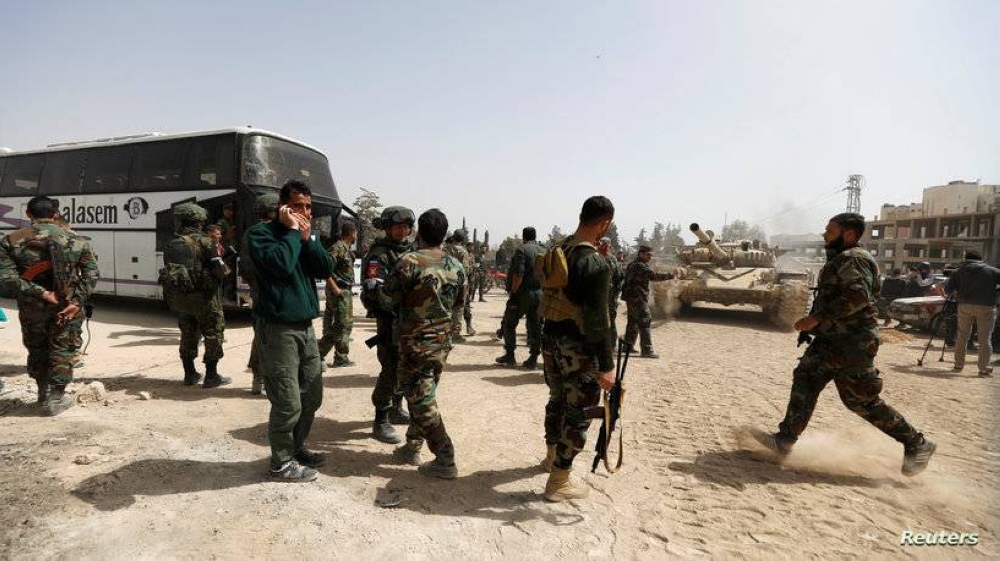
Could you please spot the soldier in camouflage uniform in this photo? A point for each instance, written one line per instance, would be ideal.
(338, 315)
(191, 278)
(265, 207)
(397, 222)
(523, 301)
(577, 344)
(427, 286)
(617, 281)
(845, 341)
(456, 249)
(52, 272)
(635, 293)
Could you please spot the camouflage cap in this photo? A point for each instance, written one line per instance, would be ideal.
(392, 215)
(266, 203)
(190, 212)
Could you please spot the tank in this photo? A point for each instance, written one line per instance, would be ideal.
(740, 272)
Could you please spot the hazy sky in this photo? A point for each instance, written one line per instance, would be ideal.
(511, 113)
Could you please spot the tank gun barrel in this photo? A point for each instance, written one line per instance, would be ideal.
(707, 240)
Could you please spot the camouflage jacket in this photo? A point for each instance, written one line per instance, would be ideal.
(617, 279)
(195, 252)
(343, 264)
(72, 274)
(845, 301)
(426, 285)
(635, 287)
(461, 255)
(377, 265)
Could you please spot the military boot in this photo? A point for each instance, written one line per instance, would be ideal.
(59, 401)
(550, 456)
(442, 466)
(531, 363)
(409, 453)
(43, 392)
(382, 429)
(469, 331)
(649, 353)
(212, 377)
(560, 487)
(191, 376)
(341, 361)
(507, 359)
(398, 415)
(457, 337)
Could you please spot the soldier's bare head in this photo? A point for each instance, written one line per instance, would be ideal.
(42, 207)
(432, 227)
(595, 217)
(528, 234)
(348, 231)
(297, 196)
(844, 230)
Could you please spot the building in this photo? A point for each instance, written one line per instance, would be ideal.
(799, 245)
(950, 220)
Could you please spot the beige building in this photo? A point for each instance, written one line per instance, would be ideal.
(950, 220)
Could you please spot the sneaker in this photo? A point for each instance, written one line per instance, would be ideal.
(915, 458)
(216, 381)
(439, 469)
(309, 459)
(986, 374)
(469, 331)
(340, 362)
(294, 473)
(774, 442)
(649, 354)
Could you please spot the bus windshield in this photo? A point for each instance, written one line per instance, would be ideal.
(270, 162)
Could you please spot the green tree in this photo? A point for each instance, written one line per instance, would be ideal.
(741, 230)
(555, 237)
(616, 240)
(369, 207)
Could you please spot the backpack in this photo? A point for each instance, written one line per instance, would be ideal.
(552, 270)
(175, 277)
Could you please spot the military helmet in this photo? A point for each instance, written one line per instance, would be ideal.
(392, 215)
(265, 204)
(190, 212)
(458, 236)
(924, 266)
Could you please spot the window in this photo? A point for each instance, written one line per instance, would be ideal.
(212, 161)
(63, 172)
(271, 162)
(108, 169)
(160, 165)
(21, 176)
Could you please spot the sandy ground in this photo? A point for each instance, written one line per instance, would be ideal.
(182, 475)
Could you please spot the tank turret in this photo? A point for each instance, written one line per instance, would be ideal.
(709, 241)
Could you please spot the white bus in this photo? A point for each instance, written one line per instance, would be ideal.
(119, 193)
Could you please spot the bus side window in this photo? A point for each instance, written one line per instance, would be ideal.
(211, 161)
(63, 172)
(108, 169)
(20, 179)
(160, 165)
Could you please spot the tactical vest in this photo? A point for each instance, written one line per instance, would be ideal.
(552, 267)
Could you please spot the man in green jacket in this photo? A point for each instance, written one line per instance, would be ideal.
(287, 260)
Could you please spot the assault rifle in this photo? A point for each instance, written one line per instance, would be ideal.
(611, 413)
(804, 336)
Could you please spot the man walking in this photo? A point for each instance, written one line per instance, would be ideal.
(52, 272)
(338, 315)
(287, 261)
(191, 277)
(635, 293)
(844, 327)
(577, 342)
(975, 285)
(427, 285)
(523, 301)
(397, 223)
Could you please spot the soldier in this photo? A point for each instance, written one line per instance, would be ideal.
(265, 207)
(427, 285)
(846, 339)
(523, 301)
(635, 293)
(52, 272)
(227, 225)
(456, 248)
(397, 223)
(338, 316)
(191, 278)
(577, 342)
(617, 280)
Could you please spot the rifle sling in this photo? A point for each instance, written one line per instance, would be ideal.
(621, 431)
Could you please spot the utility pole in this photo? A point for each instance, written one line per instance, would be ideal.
(855, 183)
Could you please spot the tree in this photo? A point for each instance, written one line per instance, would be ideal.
(368, 207)
(641, 239)
(615, 237)
(555, 237)
(741, 230)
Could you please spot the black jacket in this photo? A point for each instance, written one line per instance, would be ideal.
(975, 282)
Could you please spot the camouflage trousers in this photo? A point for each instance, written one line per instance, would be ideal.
(523, 304)
(638, 324)
(458, 314)
(571, 375)
(209, 323)
(850, 365)
(338, 319)
(387, 384)
(51, 347)
(419, 377)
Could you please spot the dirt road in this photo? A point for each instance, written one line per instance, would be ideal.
(182, 474)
